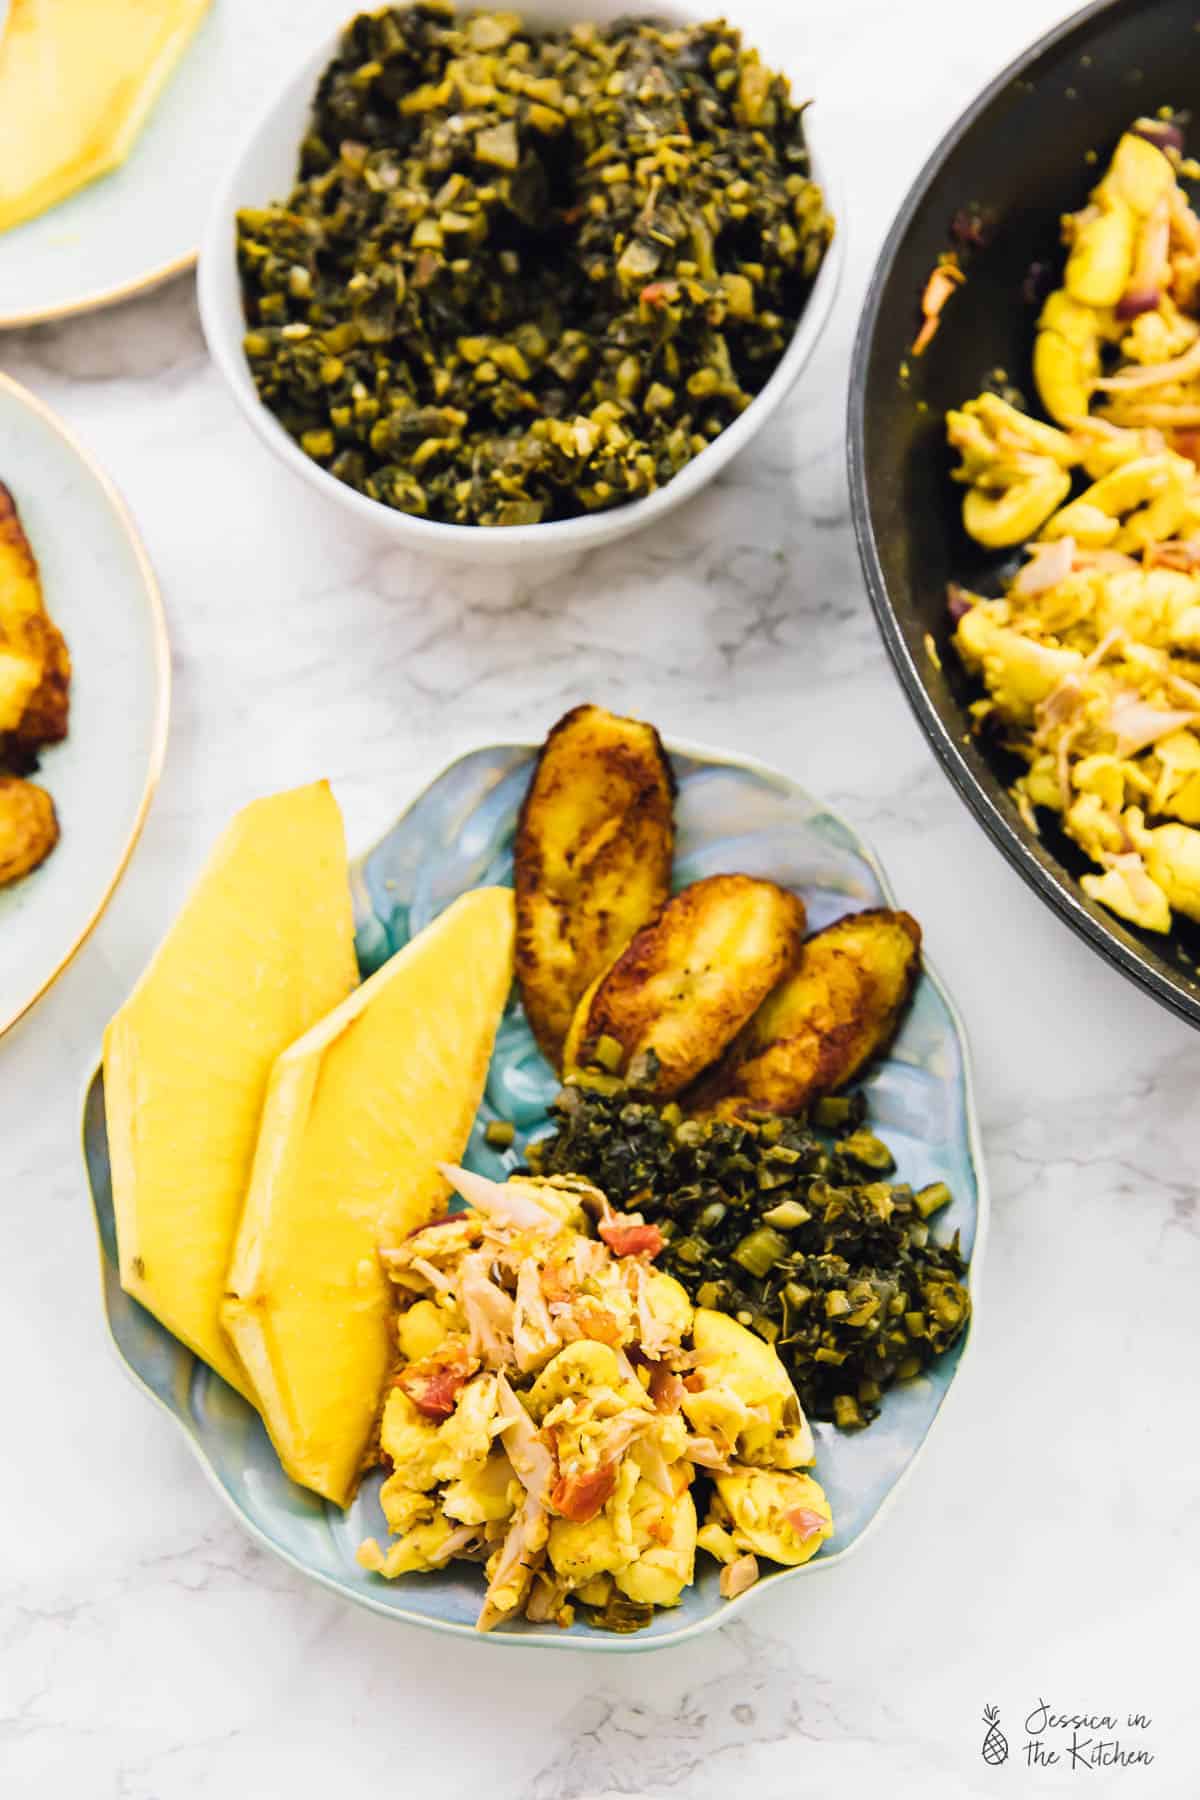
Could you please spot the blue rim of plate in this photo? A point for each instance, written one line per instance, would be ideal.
(374, 946)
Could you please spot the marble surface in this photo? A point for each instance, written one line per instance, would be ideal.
(1046, 1549)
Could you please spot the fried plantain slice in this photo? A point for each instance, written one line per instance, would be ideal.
(28, 827)
(35, 669)
(824, 1024)
(592, 859)
(687, 983)
(44, 719)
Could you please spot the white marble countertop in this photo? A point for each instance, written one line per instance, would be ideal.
(1046, 1548)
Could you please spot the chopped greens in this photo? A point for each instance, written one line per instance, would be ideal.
(526, 275)
(794, 1235)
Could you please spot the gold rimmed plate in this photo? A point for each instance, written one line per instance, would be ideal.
(100, 589)
(126, 232)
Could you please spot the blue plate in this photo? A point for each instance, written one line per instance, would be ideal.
(731, 815)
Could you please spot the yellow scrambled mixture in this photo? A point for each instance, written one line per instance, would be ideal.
(1091, 659)
(557, 1399)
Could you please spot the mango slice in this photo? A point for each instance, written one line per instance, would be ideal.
(358, 1115)
(263, 948)
(78, 79)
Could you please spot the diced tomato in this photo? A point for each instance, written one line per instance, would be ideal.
(656, 293)
(627, 1239)
(433, 1384)
(804, 1521)
(557, 1284)
(433, 1395)
(666, 1389)
(580, 1497)
(596, 1322)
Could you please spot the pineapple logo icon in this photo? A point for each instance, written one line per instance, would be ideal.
(995, 1744)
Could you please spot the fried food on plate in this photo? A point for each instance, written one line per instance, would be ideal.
(818, 1029)
(28, 827)
(35, 676)
(44, 720)
(34, 666)
(687, 983)
(594, 844)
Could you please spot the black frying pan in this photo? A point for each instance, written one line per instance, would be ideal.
(1019, 155)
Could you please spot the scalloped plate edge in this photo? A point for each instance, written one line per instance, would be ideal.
(732, 1608)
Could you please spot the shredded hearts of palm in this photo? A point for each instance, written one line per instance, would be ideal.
(558, 1403)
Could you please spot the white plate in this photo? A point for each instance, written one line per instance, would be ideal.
(142, 223)
(101, 591)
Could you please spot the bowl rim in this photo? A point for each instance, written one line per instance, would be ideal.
(152, 597)
(98, 299)
(615, 1643)
(562, 536)
(1045, 875)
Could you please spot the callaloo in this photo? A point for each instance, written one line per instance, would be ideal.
(524, 275)
(786, 1225)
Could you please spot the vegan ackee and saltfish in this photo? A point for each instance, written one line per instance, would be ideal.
(522, 275)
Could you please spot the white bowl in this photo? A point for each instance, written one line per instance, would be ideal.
(264, 170)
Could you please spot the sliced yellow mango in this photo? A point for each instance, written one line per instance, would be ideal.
(263, 948)
(78, 79)
(358, 1115)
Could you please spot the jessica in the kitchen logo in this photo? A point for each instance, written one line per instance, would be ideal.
(995, 1744)
(1072, 1740)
